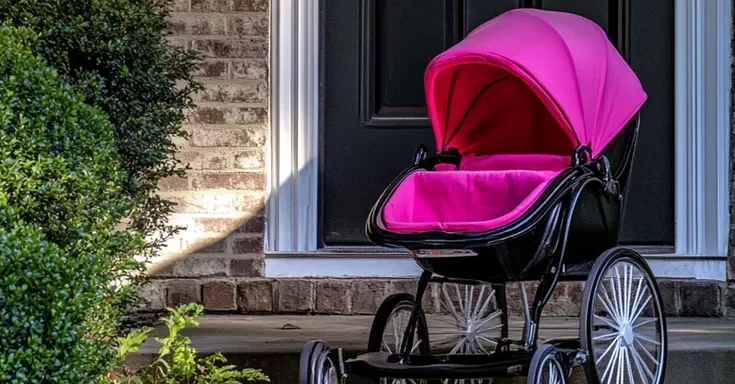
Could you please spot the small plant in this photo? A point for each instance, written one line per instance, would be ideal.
(177, 362)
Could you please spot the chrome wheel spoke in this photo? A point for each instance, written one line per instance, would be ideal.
(609, 323)
(645, 322)
(642, 364)
(609, 348)
(613, 358)
(606, 337)
(648, 340)
(647, 353)
(471, 321)
(631, 378)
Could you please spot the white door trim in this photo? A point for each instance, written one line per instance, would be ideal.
(291, 210)
(702, 135)
(702, 126)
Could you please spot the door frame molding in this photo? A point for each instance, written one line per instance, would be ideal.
(702, 135)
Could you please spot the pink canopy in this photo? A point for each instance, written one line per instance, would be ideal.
(531, 81)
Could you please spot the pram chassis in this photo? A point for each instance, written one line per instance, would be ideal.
(564, 249)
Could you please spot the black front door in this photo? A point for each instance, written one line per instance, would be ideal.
(374, 53)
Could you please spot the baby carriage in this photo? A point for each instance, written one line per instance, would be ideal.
(519, 190)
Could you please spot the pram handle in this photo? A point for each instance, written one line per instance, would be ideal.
(449, 156)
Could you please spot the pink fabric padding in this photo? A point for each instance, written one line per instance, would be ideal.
(491, 192)
(547, 81)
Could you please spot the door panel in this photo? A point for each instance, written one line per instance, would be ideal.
(374, 113)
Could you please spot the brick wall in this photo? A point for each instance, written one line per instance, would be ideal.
(221, 201)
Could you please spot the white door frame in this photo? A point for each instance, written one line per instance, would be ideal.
(702, 135)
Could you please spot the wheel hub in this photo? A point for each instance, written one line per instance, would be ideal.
(627, 335)
(470, 332)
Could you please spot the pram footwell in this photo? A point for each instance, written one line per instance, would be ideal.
(487, 193)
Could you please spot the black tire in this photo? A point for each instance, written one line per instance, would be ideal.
(544, 356)
(316, 365)
(603, 263)
(306, 361)
(382, 317)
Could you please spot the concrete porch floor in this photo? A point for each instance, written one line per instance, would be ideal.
(701, 350)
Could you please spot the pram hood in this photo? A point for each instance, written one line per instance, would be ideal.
(531, 81)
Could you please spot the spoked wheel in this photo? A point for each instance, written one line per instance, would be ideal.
(546, 367)
(622, 324)
(475, 321)
(316, 365)
(388, 329)
(474, 324)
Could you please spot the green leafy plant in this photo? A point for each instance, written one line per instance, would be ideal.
(116, 54)
(61, 205)
(176, 361)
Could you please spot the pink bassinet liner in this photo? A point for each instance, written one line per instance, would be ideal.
(487, 193)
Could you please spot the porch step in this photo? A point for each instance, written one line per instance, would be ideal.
(700, 349)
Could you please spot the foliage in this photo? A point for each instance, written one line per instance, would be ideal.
(115, 52)
(176, 361)
(61, 205)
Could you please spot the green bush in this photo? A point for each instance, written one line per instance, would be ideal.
(61, 206)
(176, 362)
(115, 52)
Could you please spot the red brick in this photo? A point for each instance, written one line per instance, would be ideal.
(211, 181)
(173, 183)
(228, 115)
(205, 160)
(216, 225)
(250, 69)
(333, 297)
(255, 296)
(248, 181)
(214, 161)
(249, 47)
(197, 24)
(367, 295)
(247, 267)
(247, 245)
(410, 286)
(181, 292)
(201, 266)
(212, 69)
(243, 92)
(243, 181)
(153, 293)
(295, 296)
(210, 5)
(515, 302)
(250, 5)
(255, 224)
(702, 299)
(220, 202)
(560, 303)
(254, 24)
(219, 296)
(229, 137)
(208, 245)
(254, 159)
(179, 5)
